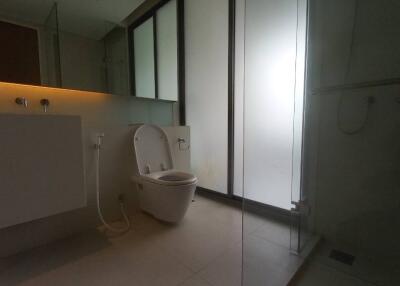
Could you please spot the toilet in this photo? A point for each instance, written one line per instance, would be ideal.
(164, 192)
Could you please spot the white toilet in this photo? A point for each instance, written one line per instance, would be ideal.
(164, 192)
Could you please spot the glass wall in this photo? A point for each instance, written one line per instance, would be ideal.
(353, 163)
(154, 48)
(207, 90)
(167, 51)
(273, 96)
(274, 56)
(349, 168)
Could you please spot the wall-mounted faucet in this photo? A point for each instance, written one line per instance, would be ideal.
(21, 101)
(45, 103)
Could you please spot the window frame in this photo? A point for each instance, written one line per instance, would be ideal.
(152, 13)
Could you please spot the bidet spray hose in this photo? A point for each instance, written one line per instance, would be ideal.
(126, 219)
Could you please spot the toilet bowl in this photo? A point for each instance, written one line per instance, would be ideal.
(164, 192)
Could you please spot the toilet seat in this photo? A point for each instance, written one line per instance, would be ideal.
(170, 178)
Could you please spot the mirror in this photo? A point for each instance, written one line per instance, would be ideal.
(29, 50)
(101, 46)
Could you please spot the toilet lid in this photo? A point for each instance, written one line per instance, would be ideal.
(152, 149)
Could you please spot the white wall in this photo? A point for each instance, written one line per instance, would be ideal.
(354, 180)
(206, 47)
(100, 113)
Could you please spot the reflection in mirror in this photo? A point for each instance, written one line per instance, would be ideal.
(71, 44)
(93, 45)
(117, 69)
(29, 50)
(84, 45)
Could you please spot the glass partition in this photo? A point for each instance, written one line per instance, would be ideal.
(167, 51)
(343, 137)
(154, 53)
(144, 63)
(206, 83)
(274, 75)
(353, 141)
(273, 102)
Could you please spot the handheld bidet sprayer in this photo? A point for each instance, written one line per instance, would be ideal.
(99, 141)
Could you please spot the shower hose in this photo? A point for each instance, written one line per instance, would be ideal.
(370, 100)
(121, 203)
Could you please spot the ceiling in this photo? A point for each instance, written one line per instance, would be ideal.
(89, 18)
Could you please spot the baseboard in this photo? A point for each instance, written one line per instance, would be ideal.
(248, 205)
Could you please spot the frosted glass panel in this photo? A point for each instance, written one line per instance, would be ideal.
(167, 52)
(271, 95)
(299, 99)
(206, 47)
(239, 85)
(143, 39)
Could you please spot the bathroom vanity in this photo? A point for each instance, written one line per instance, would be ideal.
(41, 167)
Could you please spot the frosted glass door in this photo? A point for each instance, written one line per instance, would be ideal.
(273, 102)
(206, 48)
(143, 41)
(167, 52)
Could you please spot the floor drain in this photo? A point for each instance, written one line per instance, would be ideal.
(342, 257)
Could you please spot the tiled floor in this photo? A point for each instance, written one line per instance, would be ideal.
(365, 271)
(204, 250)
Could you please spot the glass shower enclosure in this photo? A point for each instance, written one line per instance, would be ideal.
(276, 207)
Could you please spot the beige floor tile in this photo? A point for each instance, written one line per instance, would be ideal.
(194, 281)
(315, 274)
(259, 251)
(372, 269)
(198, 246)
(274, 231)
(43, 260)
(203, 250)
(226, 270)
(252, 222)
(117, 266)
(266, 263)
(103, 268)
(200, 238)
